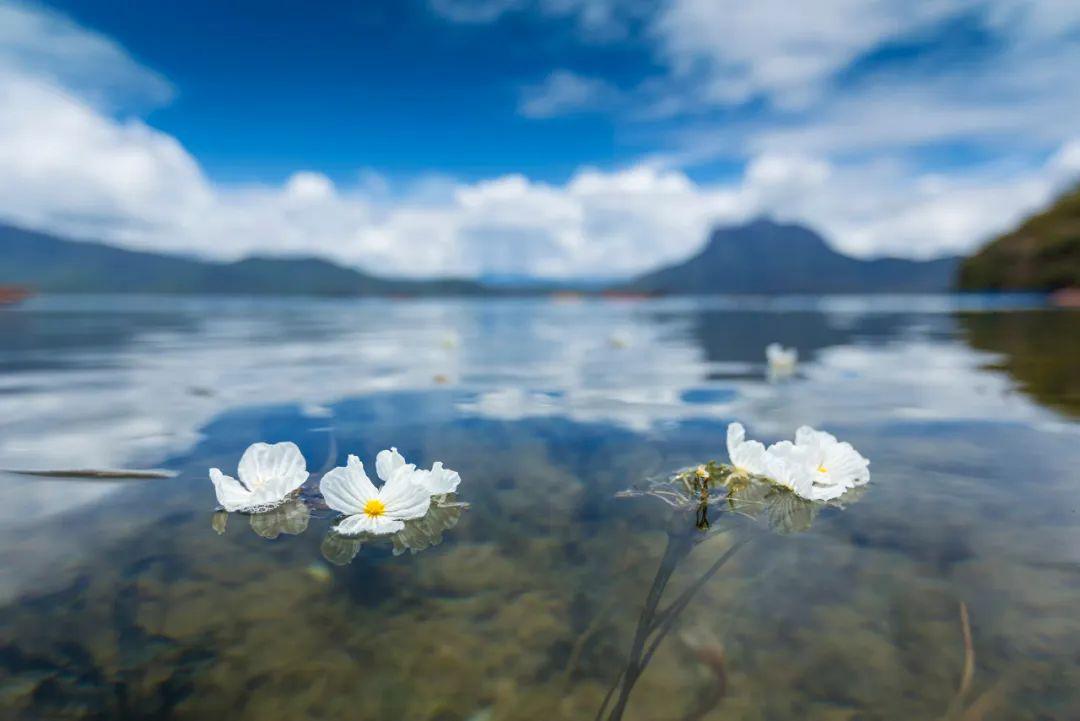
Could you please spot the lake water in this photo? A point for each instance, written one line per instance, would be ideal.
(121, 599)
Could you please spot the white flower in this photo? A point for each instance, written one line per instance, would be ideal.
(748, 457)
(787, 465)
(834, 466)
(782, 361)
(816, 466)
(268, 474)
(375, 510)
(438, 481)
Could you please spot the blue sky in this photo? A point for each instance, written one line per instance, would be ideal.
(264, 88)
(553, 137)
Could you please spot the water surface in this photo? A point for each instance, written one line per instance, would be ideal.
(120, 600)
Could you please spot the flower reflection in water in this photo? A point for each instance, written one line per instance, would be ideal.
(417, 535)
(700, 497)
(290, 518)
(413, 507)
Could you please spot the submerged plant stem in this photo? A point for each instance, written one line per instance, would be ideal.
(653, 625)
(678, 544)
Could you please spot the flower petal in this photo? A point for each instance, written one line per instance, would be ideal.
(748, 456)
(230, 494)
(438, 481)
(790, 466)
(846, 466)
(387, 462)
(363, 523)
(280, 465)
(807, 436)
(347, 488)
(403, 496)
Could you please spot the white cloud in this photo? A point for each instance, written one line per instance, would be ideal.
(801, 69)
(68, 166)
(564, 92)
(65, 165)
(42, 43)
(786, 51)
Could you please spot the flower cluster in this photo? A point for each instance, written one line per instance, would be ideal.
(270, 475)
(816, 466)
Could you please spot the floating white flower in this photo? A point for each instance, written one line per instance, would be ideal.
(375, 510)
(268, 474)
(782, 361)
(619, 339)
(438, 481)
(748, 457)
(450, 340)
(835, 467)
(787, 465)
(816, 466)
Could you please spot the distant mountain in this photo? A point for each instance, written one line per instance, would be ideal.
(762, 257)
(766, 257)
(1042, 254)
(47, 263)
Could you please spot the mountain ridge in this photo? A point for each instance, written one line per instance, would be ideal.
(760, 257)
(772, 258)
(52, 264)
(1041, 254)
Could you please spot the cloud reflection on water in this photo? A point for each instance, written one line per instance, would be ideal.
(105, 383)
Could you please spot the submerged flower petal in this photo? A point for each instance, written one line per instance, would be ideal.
(347, 488)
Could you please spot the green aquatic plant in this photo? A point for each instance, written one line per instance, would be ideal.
(780, 488)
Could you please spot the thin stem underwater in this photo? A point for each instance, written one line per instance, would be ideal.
(653, 624)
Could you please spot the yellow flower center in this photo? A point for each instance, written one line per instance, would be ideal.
(374, 508)
(822, 469)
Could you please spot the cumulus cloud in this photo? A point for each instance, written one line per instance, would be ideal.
(783, 50)
(69, 165)
(840, 76)
(45, 44)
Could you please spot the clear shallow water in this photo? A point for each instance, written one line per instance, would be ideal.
(121, 601)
